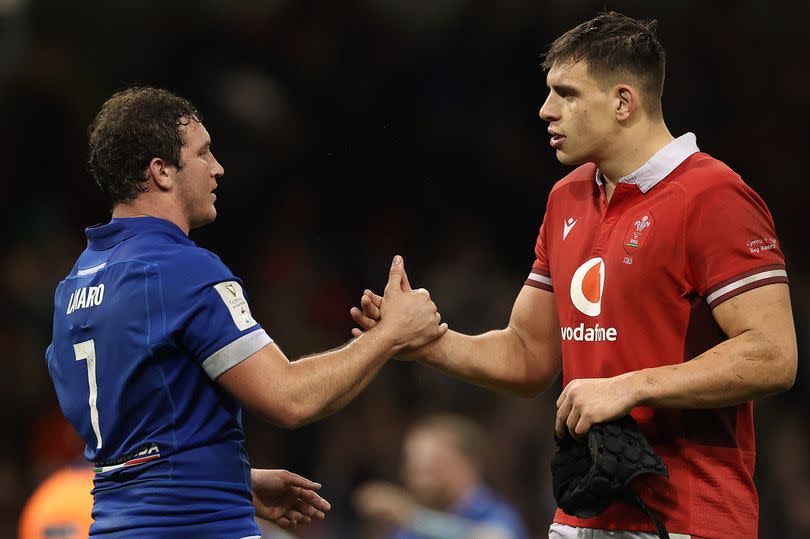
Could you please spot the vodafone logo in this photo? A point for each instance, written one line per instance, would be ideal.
(587, 286)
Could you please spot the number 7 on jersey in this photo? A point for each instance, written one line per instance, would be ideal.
(87, 350)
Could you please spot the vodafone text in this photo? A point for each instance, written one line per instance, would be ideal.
(581, 333)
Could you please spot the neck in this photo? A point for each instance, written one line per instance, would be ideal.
(143, 207)
(465, 481)
(635, 148)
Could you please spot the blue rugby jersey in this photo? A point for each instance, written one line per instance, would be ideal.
(143, 325)
(477, 507)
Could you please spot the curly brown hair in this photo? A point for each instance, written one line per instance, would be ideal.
(133, 127)
(613, 43)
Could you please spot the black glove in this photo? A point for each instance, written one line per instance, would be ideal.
(588, 475)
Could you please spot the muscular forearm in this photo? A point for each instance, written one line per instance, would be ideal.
(498, 359)
(738, 370)
(318, 390)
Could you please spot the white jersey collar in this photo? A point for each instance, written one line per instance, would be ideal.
(661, 164)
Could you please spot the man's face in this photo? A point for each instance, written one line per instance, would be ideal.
(197, 178)
(429, 456)
(581, 113)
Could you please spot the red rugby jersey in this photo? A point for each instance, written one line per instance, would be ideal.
(635, 281)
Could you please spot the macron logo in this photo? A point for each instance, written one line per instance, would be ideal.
(568, 226)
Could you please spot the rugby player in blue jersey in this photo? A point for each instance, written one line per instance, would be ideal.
(155, 349)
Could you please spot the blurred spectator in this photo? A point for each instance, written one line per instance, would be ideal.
(444, 497)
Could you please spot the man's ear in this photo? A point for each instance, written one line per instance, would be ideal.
(627, 101)
(158, 171)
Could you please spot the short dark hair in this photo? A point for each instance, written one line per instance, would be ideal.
(613, 43)
(133, 127)
(466, 435)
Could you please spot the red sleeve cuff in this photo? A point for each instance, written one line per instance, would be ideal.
(744, 282)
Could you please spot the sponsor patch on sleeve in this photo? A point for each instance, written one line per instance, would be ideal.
(233, 297)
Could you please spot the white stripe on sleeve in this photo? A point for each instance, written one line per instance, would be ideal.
(540, 278)
(234, 353)
(744, 281)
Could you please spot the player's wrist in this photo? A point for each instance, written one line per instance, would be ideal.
(636, 388)
(432, 353)
(387, 338)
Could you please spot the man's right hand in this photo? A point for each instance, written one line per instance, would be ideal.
(368, 315)
(408, 316)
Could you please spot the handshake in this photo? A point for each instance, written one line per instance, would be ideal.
(402, 315)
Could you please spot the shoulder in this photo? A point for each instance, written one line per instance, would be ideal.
(709, 183)
(702, 173)
(487, 505)
(195, 263)
(582, 176)
(191, 270)
(181, 266)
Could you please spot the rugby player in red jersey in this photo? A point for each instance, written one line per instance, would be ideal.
(659, 289)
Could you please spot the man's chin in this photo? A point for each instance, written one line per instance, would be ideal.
(204, 220)
(433, 500)
(568, 159)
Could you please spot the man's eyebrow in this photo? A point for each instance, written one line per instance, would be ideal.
(564, 89)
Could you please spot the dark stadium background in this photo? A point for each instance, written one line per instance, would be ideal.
(354, 130)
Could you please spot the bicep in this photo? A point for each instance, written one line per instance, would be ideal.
(761, 320)
(534, 319)
(765, 314)
(766, 308)
(258, 382)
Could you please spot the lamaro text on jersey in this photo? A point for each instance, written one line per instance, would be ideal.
(87, 296)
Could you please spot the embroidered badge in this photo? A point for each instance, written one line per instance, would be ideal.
(638, 232)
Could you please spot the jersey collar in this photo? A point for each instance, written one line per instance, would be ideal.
(661, 164)
(102, 237)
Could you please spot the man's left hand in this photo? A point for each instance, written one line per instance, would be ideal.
(386, 501)
(587, 401)
(287, 499)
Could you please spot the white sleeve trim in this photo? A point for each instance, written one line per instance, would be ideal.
(744, 281)
(234, 353)
(540, 278)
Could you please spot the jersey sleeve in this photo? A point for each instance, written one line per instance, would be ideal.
(208, 314)
(731, 242)
(540, 276)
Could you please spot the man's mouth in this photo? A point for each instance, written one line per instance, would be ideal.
(557, 139)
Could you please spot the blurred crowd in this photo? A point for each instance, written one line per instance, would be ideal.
(352, 131)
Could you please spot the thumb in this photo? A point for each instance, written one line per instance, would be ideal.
(406, 285)
(396, 273)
